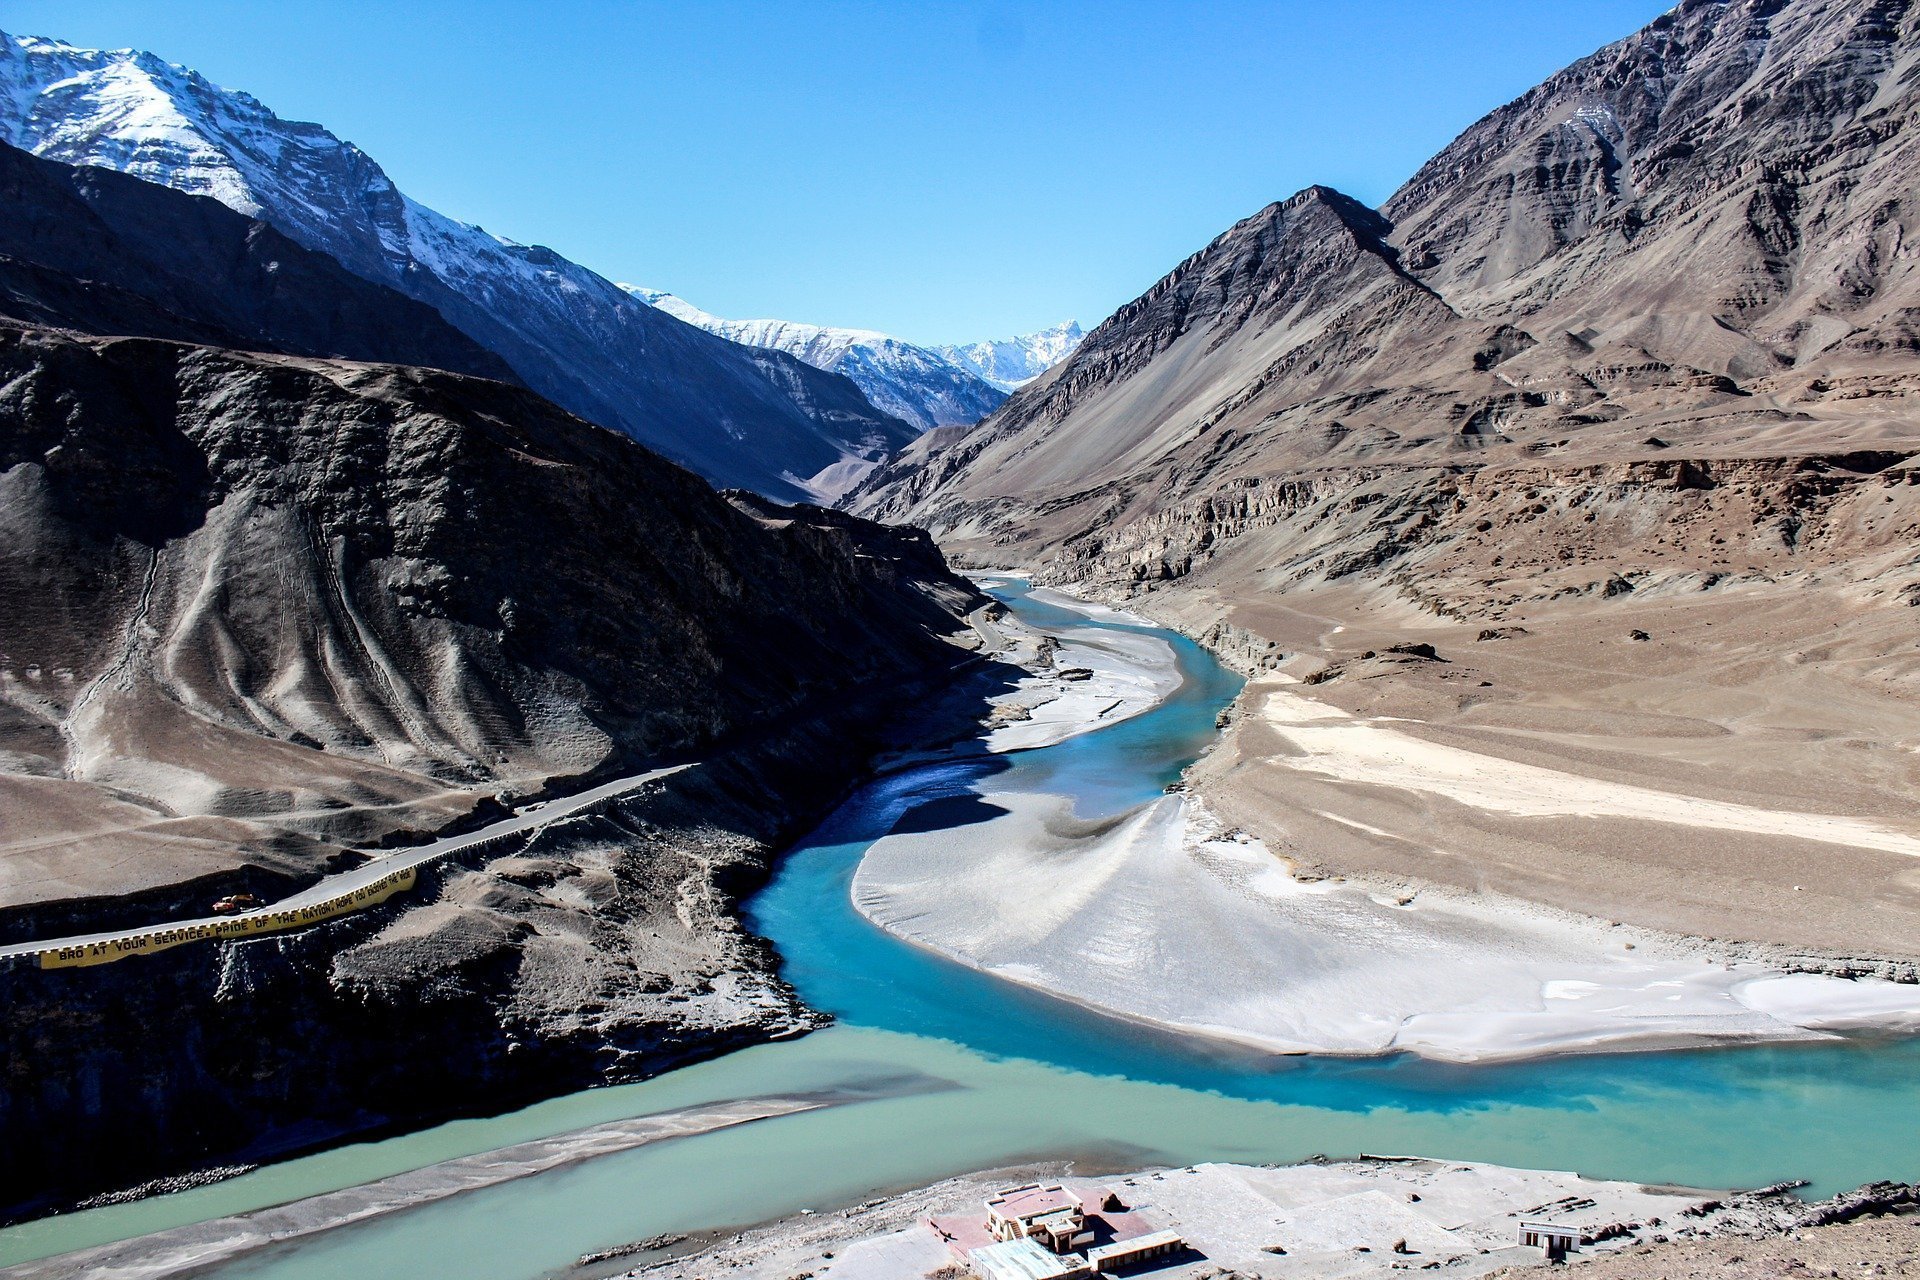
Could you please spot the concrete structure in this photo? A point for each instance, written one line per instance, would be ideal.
(1043, 1229)
(1557, 1240)
(1127, 1253)
(1024, 1259)
(1052, 1215)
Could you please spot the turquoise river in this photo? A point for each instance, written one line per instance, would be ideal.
(968, 1072)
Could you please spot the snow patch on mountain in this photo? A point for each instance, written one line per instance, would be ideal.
(570, 334)
(1009, 363)
(910, 382)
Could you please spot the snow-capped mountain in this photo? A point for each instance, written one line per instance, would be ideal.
(1013, 362)
(909, 382)
(738, 418)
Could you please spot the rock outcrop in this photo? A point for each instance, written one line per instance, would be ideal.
(265, 611)
(1685, 251)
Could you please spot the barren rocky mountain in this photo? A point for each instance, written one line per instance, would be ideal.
(98, 251)
(1608, 404)
(566, 332)
(262, 605)
(264, 611)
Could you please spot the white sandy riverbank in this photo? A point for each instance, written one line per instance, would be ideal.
(1157, 917)
(1340, 1218)
(1121, 675)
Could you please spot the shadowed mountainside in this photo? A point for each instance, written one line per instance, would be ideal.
(268, 604)
(566, 332)
(265, 611)
(97, 251)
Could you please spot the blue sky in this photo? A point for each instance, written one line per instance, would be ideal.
(943, 171)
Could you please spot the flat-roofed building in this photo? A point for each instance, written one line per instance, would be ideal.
(1556, 1239)
(1054, 1224)
(1127, 1253)
(1026, 1260)
(1051, 1214)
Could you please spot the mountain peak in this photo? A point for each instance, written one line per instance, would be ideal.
(1712, 210)
(759, 421)
(919, 386)
(1367, 224)
(1011, 363)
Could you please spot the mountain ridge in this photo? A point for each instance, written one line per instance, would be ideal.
(1589, 457)
(109, 254)
(911, 382)
(567, 332)
(1449, 369)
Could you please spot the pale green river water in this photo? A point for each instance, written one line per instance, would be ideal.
(981, 1073)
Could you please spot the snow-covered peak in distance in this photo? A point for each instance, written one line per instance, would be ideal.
(759, 420)
(131, 111)
(1009, 363)
(910, 382)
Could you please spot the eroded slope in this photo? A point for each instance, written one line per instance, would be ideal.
(1619, 379)
(261, 607)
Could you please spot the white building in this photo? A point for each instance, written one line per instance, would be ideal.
(1026, 1260)
(1558, 1241)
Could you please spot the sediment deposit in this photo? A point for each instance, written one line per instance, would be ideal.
(1585, 452)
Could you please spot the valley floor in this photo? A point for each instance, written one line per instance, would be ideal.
(1220, 913)
(1352, 1218)
(1743, 773)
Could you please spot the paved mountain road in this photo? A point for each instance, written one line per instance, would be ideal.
(380, 865)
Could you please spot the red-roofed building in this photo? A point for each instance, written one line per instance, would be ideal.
(1062, 1218)
(1050, 1215)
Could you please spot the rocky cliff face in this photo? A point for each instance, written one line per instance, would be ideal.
(1748, 163)
(268, 604)
(1688, 246)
